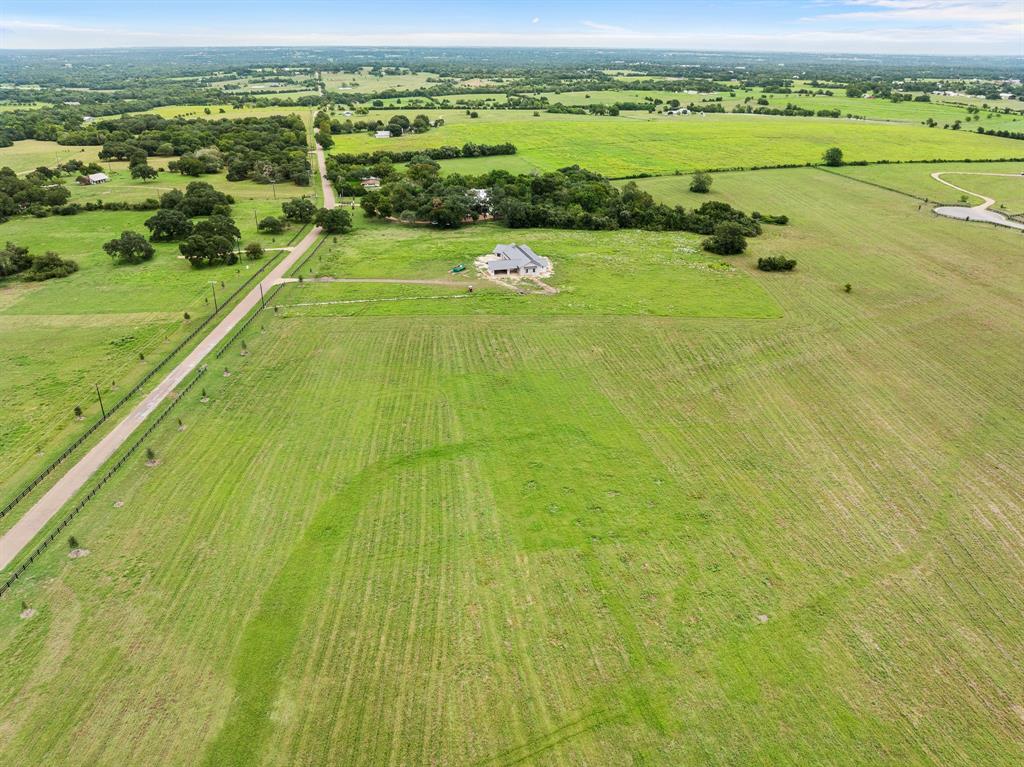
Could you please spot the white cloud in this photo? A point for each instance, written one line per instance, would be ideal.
(535, 20)
(929, 10)
(605, 27)
(891, 35)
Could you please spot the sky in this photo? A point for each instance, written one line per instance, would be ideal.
(961, 27)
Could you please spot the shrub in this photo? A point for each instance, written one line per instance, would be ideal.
(50, 266)
(700, 182)
(776, 264)
(270, 225)
(254, 251)
(728, 239)
(833, 157)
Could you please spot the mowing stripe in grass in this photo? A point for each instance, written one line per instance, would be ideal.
(270, 635)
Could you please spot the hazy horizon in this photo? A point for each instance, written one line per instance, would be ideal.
(838, 27)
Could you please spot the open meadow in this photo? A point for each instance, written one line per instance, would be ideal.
(917, 180)
(564, 467)
(671, 515)
(29, 154)
(616, 146)
(62, 338)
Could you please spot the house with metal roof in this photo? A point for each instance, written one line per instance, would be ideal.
(382, 134)
(517, 259)
(93, 178)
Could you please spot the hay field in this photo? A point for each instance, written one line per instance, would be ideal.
(579, 539)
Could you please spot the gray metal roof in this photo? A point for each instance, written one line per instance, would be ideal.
(516, 256)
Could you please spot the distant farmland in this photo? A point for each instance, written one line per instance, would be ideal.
(622, 146)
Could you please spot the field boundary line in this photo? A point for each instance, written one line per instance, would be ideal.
(873, 183)
(375, 300)
(65, 489)
(45, 543)
(251, 317)
(792, 166)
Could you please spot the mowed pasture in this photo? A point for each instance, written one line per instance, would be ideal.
(567, 540)
(917, 180)
(61, 338)
(596, 273)
(616, 146)
(230, 112)
(23, 156)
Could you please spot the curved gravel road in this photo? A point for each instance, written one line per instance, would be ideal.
(978, 212)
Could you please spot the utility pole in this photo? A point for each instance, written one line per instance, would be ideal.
(100, 398)
(262, 305)
(213, 288)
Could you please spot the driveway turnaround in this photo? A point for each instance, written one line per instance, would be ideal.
(36, 518)
(978, 212)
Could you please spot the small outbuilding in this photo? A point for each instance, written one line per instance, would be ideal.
(370, 183)
(517, 259)
(382, 134)
(93, 178)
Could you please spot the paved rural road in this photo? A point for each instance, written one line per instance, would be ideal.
(978, 212)
(36, 518)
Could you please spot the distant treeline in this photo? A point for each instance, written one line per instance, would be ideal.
(468, 149)
(569, 198)
(346, 170)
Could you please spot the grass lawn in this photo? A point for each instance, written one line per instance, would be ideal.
(614, 273)
(29, 154)
(598, 538)
(617, 146)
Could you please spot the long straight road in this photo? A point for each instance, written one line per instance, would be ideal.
(36, 518)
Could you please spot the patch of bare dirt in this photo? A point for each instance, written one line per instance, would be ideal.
(153, 463)
(118, 504)
(27, 613)
(78, 553)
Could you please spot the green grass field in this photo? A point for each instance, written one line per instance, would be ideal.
(917, 180)
(598, 273)
(364, 82)
(198, 111)
(27, 155)
(617, 146)
(611, 538)
(61, 337)
(513, 163)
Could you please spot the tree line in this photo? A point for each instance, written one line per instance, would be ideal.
(569, 198)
